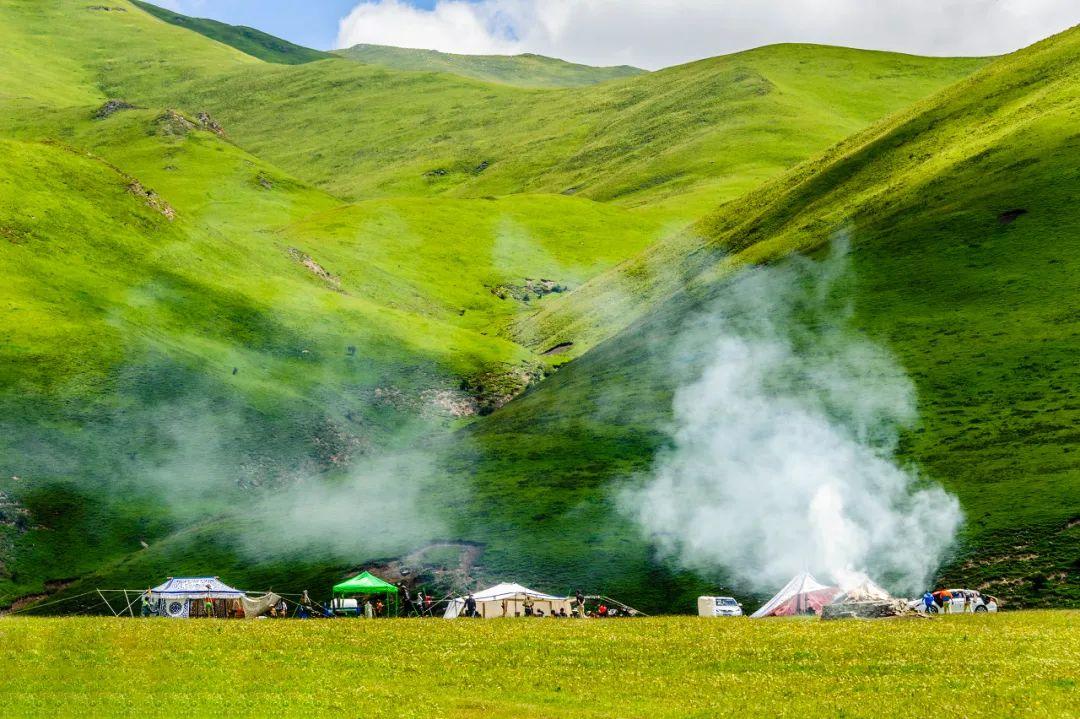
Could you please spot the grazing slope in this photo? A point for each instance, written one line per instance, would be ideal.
(222, 277)
(526, 70)
(675, 141)
(253, 42)
(964, 226)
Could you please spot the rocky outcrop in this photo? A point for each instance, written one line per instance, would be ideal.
(111, 108)
(208, 123)
(172, 122)
(531, 289)
(152, 199)
(874, 609)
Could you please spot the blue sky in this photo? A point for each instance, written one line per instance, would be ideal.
(313, 23)
(649, 33)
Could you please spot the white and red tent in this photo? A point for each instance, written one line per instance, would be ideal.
(802, 595)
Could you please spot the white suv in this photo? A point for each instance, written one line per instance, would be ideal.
(958, 601)
(718, 607)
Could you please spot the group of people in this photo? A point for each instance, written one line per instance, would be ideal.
(420, 604)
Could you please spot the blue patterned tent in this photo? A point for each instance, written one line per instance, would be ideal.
(174, 598)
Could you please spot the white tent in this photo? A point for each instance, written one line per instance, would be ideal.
(802, 595)
(507, 600)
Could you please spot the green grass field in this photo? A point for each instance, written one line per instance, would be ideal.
(1011, 665)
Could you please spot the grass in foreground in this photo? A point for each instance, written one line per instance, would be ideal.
(1010, 665)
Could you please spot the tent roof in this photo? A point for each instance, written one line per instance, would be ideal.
(364, 583)
(508, 590)
(188, 587)
(803, 583)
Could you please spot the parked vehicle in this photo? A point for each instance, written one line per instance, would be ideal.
(719, 607)
(958, 601)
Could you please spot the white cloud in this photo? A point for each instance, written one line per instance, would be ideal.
(654, 33)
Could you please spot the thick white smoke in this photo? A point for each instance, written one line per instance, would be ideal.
(782, 455)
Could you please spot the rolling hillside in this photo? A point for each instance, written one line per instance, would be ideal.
(963, 221)
(248, 303)
(521, 70)
(246, 39)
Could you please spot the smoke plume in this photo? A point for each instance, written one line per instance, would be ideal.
(783, 447)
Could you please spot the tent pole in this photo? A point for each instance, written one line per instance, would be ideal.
(107, 603)
(129, 603)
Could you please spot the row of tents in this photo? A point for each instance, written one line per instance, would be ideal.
(186, 597)
(193, 597)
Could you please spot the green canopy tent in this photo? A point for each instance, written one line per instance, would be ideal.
(367, 583)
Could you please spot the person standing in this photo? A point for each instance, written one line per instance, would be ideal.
(145, 605)
(470, 607)
(928, 602)
(369, 609)
(580, 598)
(406, 599)
(528, 604)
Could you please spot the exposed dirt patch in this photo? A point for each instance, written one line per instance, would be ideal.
(111, 108)
(452, 572)
(315, 268)
(429, 402)
(449, 402)
(1010, 216)
(152, 199)
(106, 8)
(558, 349)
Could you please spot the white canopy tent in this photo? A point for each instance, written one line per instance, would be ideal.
(802, 595)
(507, 600)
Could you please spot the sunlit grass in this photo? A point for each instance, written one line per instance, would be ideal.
(1017, 665)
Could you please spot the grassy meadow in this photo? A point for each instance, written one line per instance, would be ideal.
(1021, 664)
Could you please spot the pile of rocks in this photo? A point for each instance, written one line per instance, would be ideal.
(871, 609)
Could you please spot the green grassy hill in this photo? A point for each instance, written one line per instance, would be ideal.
(226, 280)
(963, 222)
(249, 40)
(526, 70)
(673, 141)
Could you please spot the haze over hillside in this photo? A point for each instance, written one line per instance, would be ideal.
(523, 70)
(279, 315)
